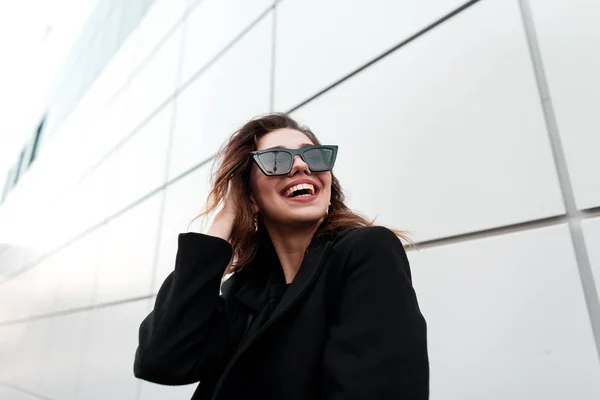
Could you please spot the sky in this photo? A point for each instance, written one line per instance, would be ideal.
(35, 37)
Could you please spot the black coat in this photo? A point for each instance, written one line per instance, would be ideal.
(347, 327)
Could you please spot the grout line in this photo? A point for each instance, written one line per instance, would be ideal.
(70, 311)
(189, 171)
(584, 214)
(590, 212)
(273, 49)
(130, 76)
(127, 137)
(195, 76)
(163, 200)
(188, 9)
(403, 43)
(223, 51)
(486, 233)
(178, 90)
(84, 233)
(574, 221)
(21, 390)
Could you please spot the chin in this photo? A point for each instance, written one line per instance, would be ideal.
(305, 218)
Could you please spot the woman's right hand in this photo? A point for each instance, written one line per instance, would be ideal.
(222, 225)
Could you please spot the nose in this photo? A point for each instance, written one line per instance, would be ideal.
(299, 166)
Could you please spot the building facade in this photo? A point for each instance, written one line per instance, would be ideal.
(473, 125)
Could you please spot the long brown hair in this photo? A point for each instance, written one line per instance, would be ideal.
(231, 170)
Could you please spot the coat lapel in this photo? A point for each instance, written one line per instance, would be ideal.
(249, 294)
(311, 264)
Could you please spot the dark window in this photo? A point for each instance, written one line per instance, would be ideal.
(18, 171)
(7, 185)
(36, 141)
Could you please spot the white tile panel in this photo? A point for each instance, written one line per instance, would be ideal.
(79, 271)
(508, 312)
(114, 123)
(569, 38)
(104, 182)
(95, 196)
(446, 135)
(8, 393)
(231, 91)
(124, 62)
(185, 199)
(212, 25)
(318, 42)
(15, 298)
(9, 308)
(25, 371)
(61, 361)
(160, 19)
(142, 160)
(33, 292)
(11, 340)
(591, 231)
(127, 259)
(107, 367)
(155, 82)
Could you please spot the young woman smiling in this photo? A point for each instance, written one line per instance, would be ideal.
(319, 304)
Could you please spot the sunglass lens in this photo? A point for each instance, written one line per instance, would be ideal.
(319, 159)
(276, 162)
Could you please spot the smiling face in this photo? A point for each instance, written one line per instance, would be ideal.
(301, 196)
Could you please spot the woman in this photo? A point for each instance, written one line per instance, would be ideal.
(319, 304)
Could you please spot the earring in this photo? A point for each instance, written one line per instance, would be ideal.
(255, 223)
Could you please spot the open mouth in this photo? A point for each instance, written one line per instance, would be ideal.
(301, 190)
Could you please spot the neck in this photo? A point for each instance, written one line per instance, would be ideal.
(290, 243)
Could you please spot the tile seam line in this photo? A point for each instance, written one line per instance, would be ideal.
(172, 181)
(75, 310)
(461, 238)
(193, 77)
(168, 156)
(387, 52)
(544, 222)
(25, 391)
(561, 166)
(585, 214)
(189, 8)
(82, 234)
(137, 69)
(196, 75)
(173, 95)
(160, 42)
(273, 55)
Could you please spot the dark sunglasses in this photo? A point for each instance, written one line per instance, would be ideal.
(274, 162)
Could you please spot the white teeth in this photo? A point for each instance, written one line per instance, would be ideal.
(302, 186)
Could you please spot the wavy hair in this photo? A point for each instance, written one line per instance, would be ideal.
(231, 171)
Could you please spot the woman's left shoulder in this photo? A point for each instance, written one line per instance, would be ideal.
(373, 249)
(371, 237)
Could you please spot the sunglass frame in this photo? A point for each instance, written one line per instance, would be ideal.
(293, 153)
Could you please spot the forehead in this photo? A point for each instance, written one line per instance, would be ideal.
(288, 138)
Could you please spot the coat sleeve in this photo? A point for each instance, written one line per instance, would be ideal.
(377, 347)
(185, 335)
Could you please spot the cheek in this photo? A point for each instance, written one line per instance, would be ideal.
(262, 187)
(327, 182)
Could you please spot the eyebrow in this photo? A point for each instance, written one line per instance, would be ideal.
(303, 145)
